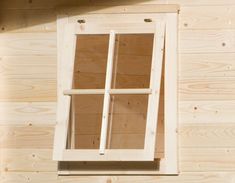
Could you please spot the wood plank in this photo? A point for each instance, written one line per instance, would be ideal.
(202, 17)
(28, 90)
(160, 8)
(207, 159)
(34, 177)
(171, 95)
(37, 4)
(206, 41)
(207, 135)
(50, 177)
(207, 111)
(180, 2)
(65, 73)
(23, 137)
(207, 89)
(191, 160)
(28, 44)
(27, 160)
(15, 113)
(43, 20)
(27, 67)
(191, 135)
(207, 65)
(28, 20)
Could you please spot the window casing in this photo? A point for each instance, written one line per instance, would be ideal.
(163, 29)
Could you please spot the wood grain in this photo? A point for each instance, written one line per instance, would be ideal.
(37, 4)
(180, 2)
(26, 136)
(31, 160)
(28, 90)
(202, 17)
(27, 67)
(207, 159)
(207, 65)
(191, 135)
(28, 44)
(207, 135)
(206, 108)
(191, 160)
(34, 177)
(50, 177)
(20, 113)
(207, 111)
(206, 41)
(191, 17)
(207, 89)
(28, 20)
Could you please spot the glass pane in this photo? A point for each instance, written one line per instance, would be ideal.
(132, 60)
(90, 61)
(85, 121)
(127, 121)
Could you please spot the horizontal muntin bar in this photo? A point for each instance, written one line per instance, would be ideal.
(112, 91)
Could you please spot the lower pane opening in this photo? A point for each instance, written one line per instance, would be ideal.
(127, 121)
(85, 122)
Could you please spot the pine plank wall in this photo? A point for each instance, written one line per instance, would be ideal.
(206, 92)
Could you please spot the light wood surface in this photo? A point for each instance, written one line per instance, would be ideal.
(206, 150)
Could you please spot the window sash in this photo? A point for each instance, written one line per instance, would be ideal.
(147, 154)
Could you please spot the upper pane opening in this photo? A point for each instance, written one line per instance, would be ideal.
(90, 61)
(132, 61)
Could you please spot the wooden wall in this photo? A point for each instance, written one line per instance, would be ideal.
(206, 91)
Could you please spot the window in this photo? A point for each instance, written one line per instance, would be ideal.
(112, 72)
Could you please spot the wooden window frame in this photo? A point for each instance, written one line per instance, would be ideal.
(164, 27)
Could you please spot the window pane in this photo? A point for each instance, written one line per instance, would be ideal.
(132, 60)
(127, 121)
(85, 124)
(90, 61)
